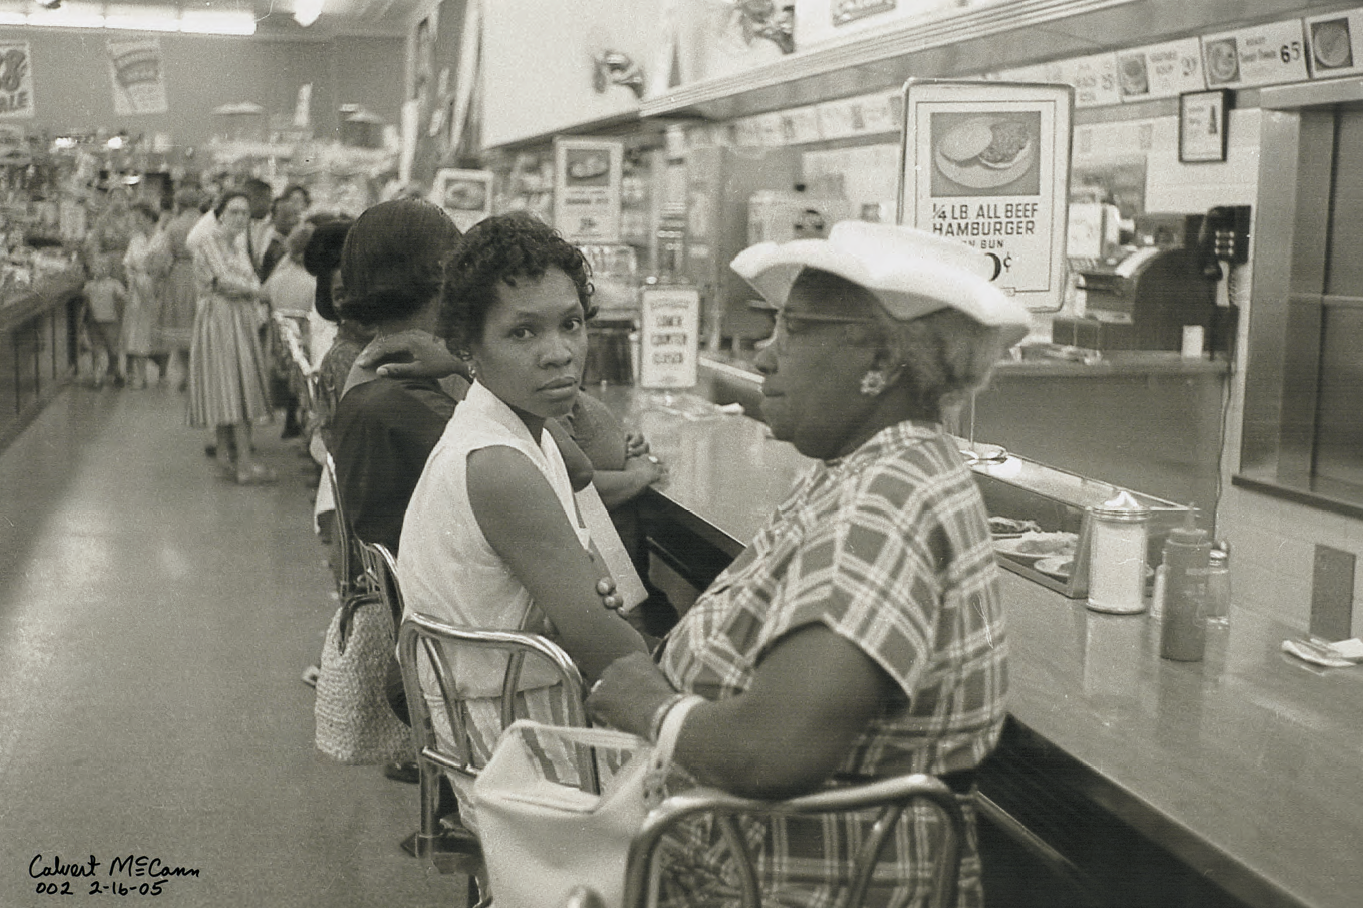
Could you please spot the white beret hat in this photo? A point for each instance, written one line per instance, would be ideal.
(911, 272)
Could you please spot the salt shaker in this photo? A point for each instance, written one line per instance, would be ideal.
(1118, 537)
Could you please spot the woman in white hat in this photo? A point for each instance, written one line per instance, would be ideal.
(861, 634)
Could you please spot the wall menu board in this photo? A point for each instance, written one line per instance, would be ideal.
(989, 164)
(587, 174)
(669, 337)
(1260, 55)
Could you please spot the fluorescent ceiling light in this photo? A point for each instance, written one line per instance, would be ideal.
(133, 18)
(72, 16)
(142, 18)
(305, 12)
(217, 22)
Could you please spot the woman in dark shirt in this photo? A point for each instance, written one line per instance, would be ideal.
(383, 429)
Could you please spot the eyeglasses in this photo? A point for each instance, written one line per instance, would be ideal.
(787, 326)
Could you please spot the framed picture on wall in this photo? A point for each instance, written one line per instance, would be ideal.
(1202, 129)
(466, 195)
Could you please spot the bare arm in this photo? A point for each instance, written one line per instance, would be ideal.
(521, 518)
(619, 486)
(782, 736)
(580, 470)
(428, 356)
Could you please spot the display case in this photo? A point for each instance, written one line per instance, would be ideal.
(1041, 520)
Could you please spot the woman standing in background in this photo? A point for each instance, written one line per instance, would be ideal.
(228, 382)
(146, 262)
(175, 326)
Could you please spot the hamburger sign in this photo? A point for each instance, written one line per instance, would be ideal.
(988, 163)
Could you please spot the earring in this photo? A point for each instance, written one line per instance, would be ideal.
(873, 383)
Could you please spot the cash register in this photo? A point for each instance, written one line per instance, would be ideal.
(1142, 297)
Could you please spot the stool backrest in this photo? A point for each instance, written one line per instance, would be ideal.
(889, 798)
(352, 579)
(422, 638)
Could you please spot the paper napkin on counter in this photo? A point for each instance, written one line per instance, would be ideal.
(1330, 655)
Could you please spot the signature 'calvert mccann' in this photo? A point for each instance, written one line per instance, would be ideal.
(132, 865)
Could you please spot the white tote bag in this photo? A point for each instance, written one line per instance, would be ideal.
(542, 838)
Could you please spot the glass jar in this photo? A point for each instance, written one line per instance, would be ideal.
(1218, 587)
(1117, 555)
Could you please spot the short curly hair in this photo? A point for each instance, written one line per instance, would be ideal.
(499, 250)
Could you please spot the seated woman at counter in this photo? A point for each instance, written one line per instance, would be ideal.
(383, 429)
(492, 538)
(878, 569)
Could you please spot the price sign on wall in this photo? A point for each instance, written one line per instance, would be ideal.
(669, 340)
(1160, 70)
(587, 176)
(988, 163)
(1260, 55)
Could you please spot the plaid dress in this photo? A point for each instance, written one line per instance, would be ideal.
(889, 548)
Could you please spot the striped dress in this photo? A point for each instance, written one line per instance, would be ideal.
(175, 327)
(228, 377)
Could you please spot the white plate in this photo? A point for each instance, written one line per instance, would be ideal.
(1022, 548)
(976, 175)
(1061, 567)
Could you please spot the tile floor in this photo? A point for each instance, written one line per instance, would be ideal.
(154, 622)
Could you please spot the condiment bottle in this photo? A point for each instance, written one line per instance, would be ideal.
(1218, 585)
(1118, 536)
(1183, 631)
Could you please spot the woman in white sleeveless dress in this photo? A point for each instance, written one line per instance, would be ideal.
(492, 537)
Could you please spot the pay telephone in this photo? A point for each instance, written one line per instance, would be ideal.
(1224, 237)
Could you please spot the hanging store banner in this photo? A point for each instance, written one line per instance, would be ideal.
(587, 176)
(138, 76)
(989, 164)
(16, 81)
(669, 337)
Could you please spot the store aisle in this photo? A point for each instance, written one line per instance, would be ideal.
(154, 622)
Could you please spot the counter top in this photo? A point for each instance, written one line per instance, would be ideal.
(1148, 362)
(21, 305)
(1128, 362)
(1247, 766)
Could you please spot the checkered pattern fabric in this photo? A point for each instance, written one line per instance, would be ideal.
(889, 548)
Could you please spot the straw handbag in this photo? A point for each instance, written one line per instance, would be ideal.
(355, 724)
